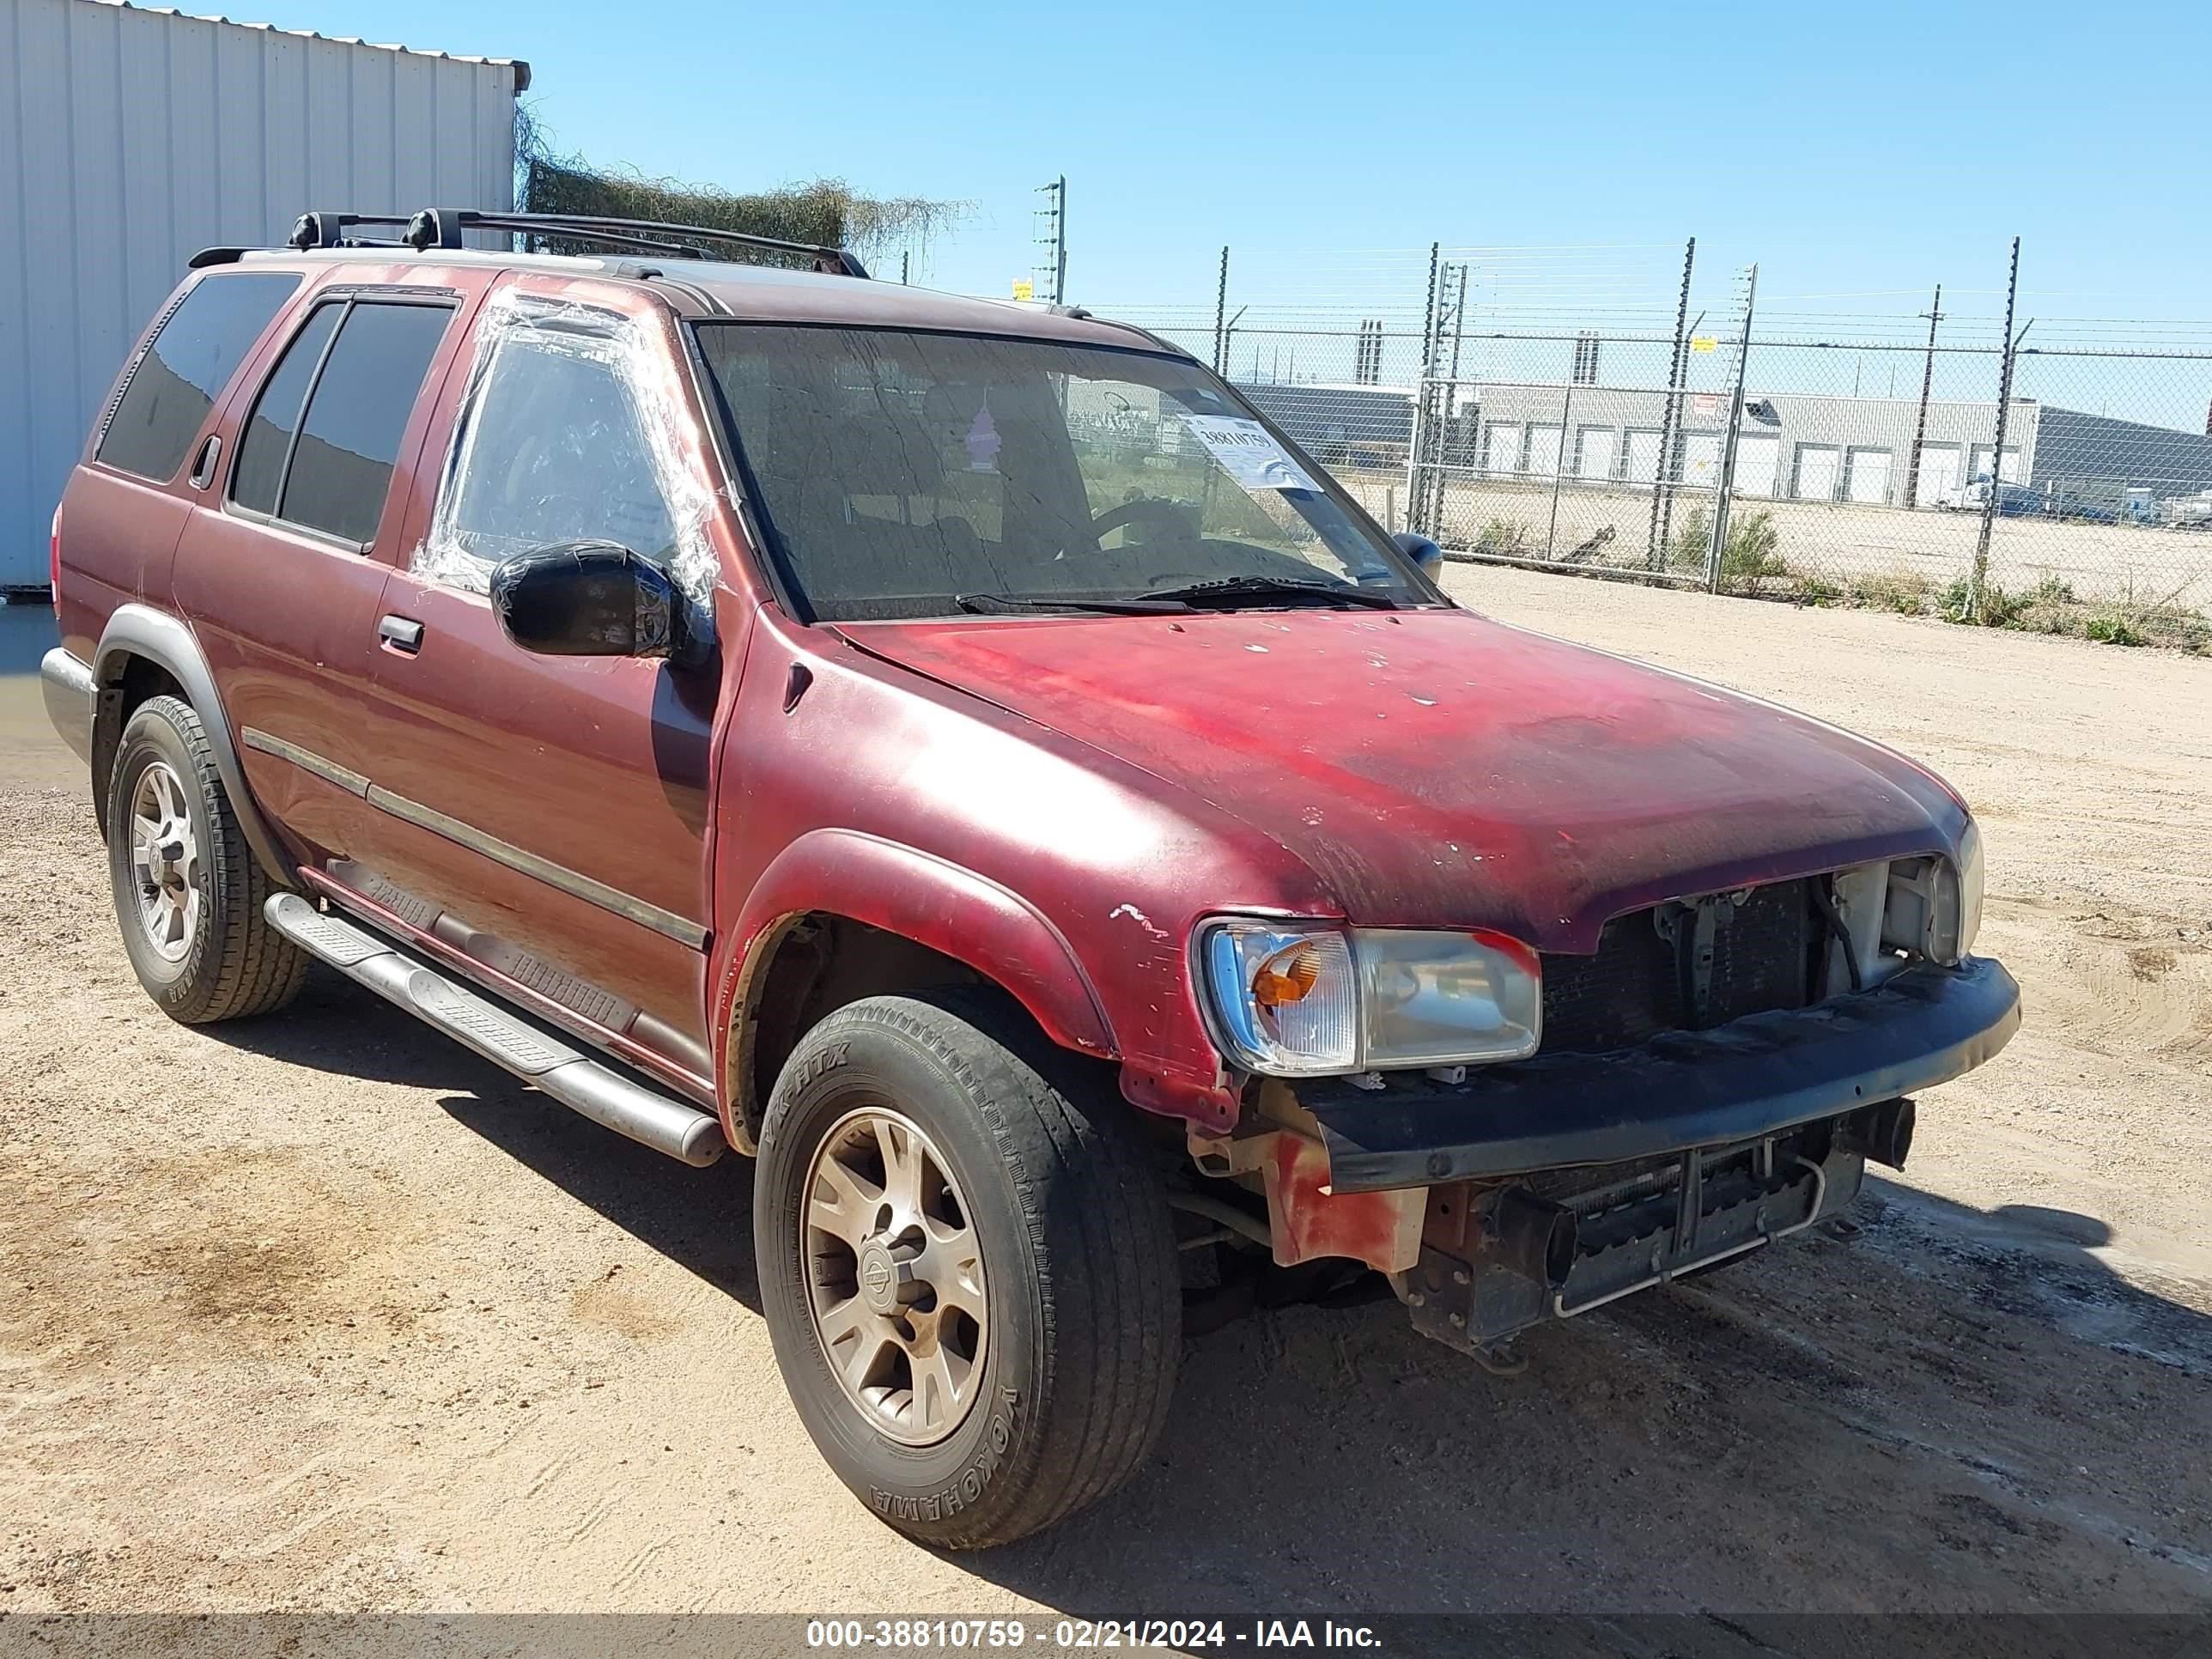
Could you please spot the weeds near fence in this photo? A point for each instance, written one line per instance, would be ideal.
(2051, 606)
(1905, 593)
(1505, 538)
(1749, 556)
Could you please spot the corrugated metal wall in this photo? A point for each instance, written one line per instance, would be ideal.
(131, 138)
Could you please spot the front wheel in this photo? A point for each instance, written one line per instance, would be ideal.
(967, 1267)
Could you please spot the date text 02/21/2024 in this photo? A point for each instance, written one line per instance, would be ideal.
(1082, 1635)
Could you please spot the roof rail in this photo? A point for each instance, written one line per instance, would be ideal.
(442, 227)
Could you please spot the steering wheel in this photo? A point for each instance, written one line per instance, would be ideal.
(1171, 515)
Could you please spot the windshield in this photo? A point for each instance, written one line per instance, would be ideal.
(926, 475)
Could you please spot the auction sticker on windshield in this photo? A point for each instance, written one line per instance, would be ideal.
(1246, 453)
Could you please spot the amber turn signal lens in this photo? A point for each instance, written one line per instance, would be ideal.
(1286, 977)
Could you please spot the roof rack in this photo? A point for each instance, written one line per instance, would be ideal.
(442, 227)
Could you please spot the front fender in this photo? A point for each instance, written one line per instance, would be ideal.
(139, 631)
(918, 895)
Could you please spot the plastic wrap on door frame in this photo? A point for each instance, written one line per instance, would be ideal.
(629, 346)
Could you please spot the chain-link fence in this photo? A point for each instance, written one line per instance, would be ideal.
(1577, 409)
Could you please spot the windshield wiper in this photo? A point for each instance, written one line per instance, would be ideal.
(989, 604)
(1230, 592)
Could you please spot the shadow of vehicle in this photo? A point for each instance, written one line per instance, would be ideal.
(1931, 1413)
(1919, 1417)
(336, 1027)
(700, 1220)
(1947, 1410)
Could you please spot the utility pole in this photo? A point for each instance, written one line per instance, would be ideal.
(1052, 219)
(1221, 312)
(1559, 464)
(1934, 315)
(1655, 550)
(1447, 422)
(1977, 582)
(1416, 448)
(1724, 491)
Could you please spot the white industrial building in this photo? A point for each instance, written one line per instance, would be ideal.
(1790, 446)
(135, 138)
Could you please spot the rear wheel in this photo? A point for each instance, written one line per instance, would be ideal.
(967, 1267)
(188, 893)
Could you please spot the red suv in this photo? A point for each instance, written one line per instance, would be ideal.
(962, 755)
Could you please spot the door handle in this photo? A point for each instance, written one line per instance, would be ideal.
(203, 468)
(402, 634)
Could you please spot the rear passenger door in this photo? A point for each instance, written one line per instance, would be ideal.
(275, 569)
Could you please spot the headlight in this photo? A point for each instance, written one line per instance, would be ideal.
(1958, 910)
(1309, 1001)
(1934, 906)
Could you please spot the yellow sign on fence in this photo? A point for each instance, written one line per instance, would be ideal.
(1704, 342)
(1025, 288)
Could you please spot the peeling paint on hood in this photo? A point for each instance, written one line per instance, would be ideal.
(1436, 768)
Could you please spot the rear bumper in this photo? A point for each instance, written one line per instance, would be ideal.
(68, 685)
(1756, 1077)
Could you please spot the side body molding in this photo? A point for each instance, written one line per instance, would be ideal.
(930, 899)
(139, 631)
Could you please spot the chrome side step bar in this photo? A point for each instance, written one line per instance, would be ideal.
(577, 1081)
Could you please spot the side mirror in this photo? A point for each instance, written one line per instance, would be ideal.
(593, 600)
(1422, 551)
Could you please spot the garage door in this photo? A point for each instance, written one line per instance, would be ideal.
(2011, 463)
(1701, 458)
(1501, 449)
(1818, 467)
(1593, 452)
(1544, 450)
(1758, 463)
(1642, 456)
(1939, 473)
(1868, 478)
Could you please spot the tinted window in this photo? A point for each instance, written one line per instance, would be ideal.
(341, 462)
(277, 413)
(186, 367)
(555, 453)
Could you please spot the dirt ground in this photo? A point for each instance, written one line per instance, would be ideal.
(2113, 564)
(323, 1313)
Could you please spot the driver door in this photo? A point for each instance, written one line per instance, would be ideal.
(545, 817)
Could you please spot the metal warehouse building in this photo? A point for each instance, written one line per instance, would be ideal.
(1793, 445)
(1797, 446)
(135, 138)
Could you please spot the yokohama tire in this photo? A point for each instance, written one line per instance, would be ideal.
(1076, 1253)
(197, 937)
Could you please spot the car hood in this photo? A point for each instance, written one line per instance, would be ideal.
(1435, 768)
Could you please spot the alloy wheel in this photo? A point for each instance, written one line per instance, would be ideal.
(895, 1283)
(165, 857)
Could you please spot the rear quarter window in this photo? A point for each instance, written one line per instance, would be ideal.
(186, 368)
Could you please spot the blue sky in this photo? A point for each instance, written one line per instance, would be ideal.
(1859, 153)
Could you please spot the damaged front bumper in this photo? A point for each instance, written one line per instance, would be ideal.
(1758, 1076)
(1545, 1188)
(1495, 1261)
